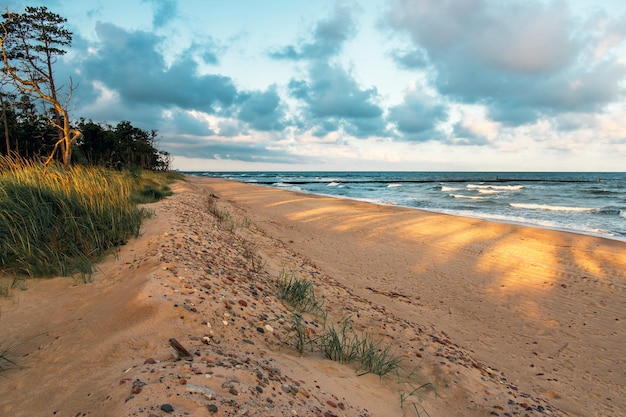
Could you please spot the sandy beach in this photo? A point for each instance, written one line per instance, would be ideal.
(490, 319)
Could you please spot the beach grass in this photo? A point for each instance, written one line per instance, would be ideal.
(58, 222)
(340, 343)
(299, 294)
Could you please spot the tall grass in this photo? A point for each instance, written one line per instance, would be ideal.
(56, 222)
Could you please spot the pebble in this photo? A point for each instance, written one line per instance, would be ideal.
(243, 303)
(196, 389)
(167, 408)
(212, 408)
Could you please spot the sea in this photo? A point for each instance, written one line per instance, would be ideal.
(591, 203)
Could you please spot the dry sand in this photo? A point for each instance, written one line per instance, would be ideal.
(499, 319)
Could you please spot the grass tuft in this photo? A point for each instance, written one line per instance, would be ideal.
(299, 294)
(338, 343)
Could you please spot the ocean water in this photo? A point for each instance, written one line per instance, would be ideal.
(587, 203)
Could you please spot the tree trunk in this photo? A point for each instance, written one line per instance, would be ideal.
(6, 125)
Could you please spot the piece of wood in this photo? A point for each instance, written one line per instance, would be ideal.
(182, 352)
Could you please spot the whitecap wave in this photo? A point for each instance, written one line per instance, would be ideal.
(333, 184)
(394, 185)
(495, 187)
(622, 213)
(449, 189)
(469, 197)
(553, 208)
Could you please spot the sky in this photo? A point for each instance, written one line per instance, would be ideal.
(406, 85)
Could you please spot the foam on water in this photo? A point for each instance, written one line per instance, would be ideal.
(469, 197)
(495, 187)
(446, 189)
(553, 208)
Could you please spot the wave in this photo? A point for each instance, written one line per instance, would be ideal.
(394, 185)
(449, 189)
(554, 208)
(488, 191)
(599, 191)
(333, 184)
(495, 187)
(469, 197)
(622, 213)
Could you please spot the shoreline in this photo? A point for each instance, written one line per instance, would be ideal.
(501, 319)
(529, 221)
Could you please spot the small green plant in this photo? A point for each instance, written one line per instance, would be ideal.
(411, 400)
(5, 360)
(6, 353)
(341, 344)
(299, 294)
(301, 335)
(375, 359)
(250, 252)
(411, 397)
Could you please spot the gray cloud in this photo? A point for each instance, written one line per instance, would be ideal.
(521, 59)
(247, 152)
(331, 93)
(328, 38)
(262, 110)
(417, 117)
(128, 62)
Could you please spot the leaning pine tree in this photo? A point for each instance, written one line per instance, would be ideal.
(30, 44)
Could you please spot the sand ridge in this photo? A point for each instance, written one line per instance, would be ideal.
(475, 318)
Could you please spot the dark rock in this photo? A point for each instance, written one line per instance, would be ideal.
(212, 408)
(167, 408)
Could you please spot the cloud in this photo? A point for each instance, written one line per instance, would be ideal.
(164, 11)
(212, 149)
(262, 110)
(328, 38)
(524, 60)
(414, 59)
(417, 117)
(332, 98)
(128, 62)
(128, 78)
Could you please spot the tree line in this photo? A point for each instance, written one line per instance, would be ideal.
(34, 106)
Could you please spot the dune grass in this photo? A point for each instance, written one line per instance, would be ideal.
(339, 343)
(57, 222)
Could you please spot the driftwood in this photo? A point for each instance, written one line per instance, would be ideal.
(182, 352)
